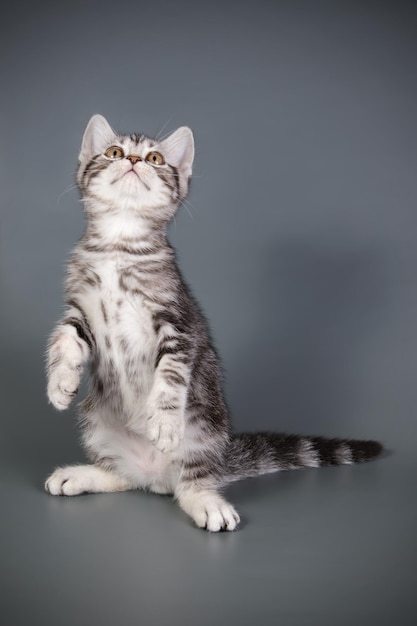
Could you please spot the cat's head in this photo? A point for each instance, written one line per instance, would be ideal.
(134, 172)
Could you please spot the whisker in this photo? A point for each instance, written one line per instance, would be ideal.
(159, 136)
(187, 209)
(67, 190)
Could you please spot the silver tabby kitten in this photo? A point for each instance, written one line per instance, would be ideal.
(155, 417)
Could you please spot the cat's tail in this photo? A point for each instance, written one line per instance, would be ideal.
(253, 454)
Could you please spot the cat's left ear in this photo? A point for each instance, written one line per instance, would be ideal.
(97, 137)
(178, 150)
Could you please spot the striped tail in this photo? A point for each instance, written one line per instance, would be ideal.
(253, 454)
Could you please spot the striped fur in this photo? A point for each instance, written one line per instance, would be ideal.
(261, 453)
(155, 416)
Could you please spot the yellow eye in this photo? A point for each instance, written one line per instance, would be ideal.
(155, 158)
(114, 153)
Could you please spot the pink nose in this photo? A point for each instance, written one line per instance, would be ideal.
(133, 158)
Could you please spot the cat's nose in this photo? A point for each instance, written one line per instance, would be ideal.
(133, 158)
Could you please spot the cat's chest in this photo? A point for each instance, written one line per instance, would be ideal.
(121, 320)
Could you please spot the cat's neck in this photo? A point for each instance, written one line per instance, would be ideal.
(109, 225)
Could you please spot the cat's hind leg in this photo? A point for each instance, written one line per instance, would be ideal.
(73, 480)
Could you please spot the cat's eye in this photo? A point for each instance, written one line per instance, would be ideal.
(155, 158)
(114, 153)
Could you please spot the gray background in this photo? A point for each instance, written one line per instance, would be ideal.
(301, 245)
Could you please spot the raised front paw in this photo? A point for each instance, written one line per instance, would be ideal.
(62, 386)
(165, 432)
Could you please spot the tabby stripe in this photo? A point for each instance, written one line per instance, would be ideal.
(92, 280)
(104, 312)
(196, 473)
(168, 407)
(88, 167)
(82, 329)
(136, 137)
(206, 466)
(94, 173)
(169, 318)
(172, 376)
(163, 351)
(177, 180)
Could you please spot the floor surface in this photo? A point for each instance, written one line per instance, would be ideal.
(326, 546)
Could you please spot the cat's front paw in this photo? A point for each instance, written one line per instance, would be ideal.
(165, 432)
(62, 386)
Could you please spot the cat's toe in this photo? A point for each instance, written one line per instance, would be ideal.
(224, 517)
(164, 435)
(217, 517)
(62, 387)
(60, 399)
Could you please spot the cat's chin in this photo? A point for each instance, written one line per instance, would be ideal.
(131, 184)
(130, 175)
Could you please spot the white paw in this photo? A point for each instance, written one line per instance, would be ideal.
(69, 481)
(165, 432)
(223, 517)
(62, 386)
(215, 514)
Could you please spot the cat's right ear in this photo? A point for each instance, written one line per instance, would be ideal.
(97, 137)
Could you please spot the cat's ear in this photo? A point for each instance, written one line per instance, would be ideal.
(97, 136)
(178, 149)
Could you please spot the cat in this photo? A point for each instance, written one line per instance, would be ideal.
(155, 417)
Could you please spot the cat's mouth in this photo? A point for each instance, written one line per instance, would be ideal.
(130, 172)
(130, 175)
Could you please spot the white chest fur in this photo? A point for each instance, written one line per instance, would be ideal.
(123, 332)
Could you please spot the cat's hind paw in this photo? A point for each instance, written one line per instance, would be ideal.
(217, 517)
(209, 510)
(73, 480)
(69, 481)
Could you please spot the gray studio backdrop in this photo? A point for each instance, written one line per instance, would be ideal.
(300, 242)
